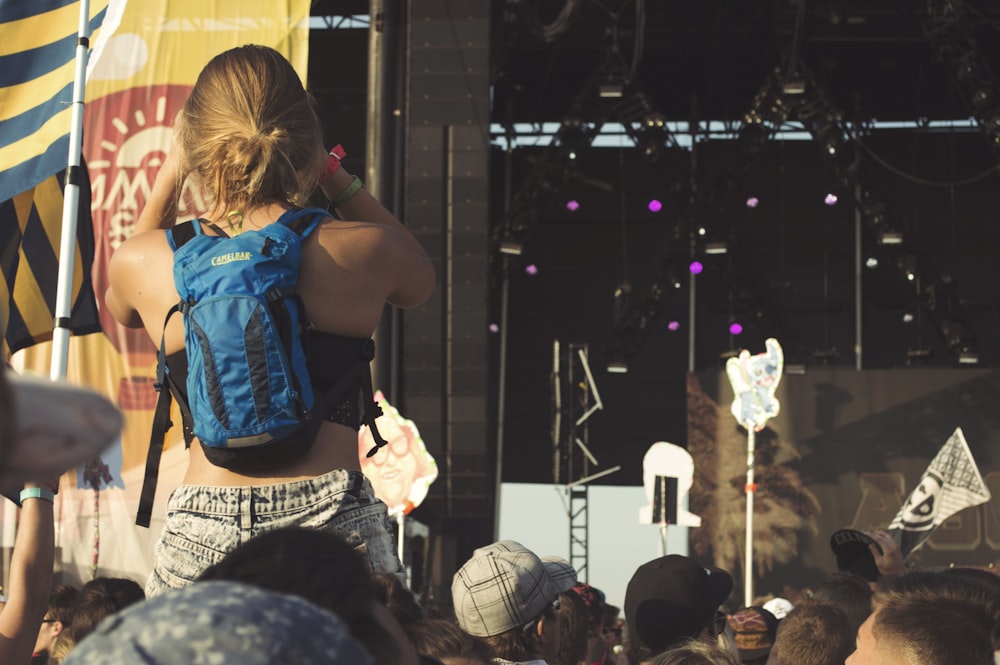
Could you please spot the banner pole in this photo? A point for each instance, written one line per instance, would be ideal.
(71, 205)
(750, 490)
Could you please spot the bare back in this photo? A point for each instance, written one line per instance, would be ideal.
(349, 271)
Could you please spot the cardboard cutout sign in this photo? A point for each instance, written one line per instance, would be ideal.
(667, 460)
(402, 471)
(754, 380)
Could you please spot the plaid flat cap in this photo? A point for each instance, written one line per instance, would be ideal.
(503, 586)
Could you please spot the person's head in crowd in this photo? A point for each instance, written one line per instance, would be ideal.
(100, 598)
(594, 605)
(849, 592)
(391, 592)
(989, 577)
(695, 652)
(325, 570)
(613, 628)
(814, 633)
(504, 595)
(57, 617)
(779, 607)
(221, 622)
(442, 639)
(249, 131)
(672, 598)
(753, 630)
(927, 618)
(561, 572)
(574, 629)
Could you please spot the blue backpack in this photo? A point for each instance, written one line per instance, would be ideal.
(247, 383)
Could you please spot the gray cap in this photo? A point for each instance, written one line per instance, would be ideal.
(562, 573)
(503, 586)
(220, 623)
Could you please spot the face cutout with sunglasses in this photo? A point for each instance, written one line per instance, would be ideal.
(401, 471)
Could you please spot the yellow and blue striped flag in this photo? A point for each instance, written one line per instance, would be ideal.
(37, 63)
(38, 41)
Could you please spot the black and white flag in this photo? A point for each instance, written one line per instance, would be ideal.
(951, 483)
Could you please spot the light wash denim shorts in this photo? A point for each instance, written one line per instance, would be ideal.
(204, 523)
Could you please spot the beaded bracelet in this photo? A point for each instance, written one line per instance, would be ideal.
(348, 194)
(37, 493)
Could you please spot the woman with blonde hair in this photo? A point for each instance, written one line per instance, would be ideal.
(250, 136)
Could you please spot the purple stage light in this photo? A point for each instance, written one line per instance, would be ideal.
(696, 267)
(674, 326)
(735, 328)
(655, 205)
(753, 202)
(494, 328)
(831, 199)
(573, 205)
(531, 269)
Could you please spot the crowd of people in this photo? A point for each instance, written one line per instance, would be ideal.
(298, 595)
(292, 560)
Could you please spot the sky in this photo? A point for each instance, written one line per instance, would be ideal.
(537, 516)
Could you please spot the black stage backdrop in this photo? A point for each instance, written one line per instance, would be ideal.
(845, 451)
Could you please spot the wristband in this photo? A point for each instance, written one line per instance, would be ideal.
(37, 493)
(348, 194)
(337, 153)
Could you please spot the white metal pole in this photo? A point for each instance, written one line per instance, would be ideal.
(750, 490)
(71, 204)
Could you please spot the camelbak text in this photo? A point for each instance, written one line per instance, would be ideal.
(223, 259)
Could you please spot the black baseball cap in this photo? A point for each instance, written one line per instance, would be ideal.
(853, 556)
(673, 597)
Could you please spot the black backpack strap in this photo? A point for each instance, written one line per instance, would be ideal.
(360, 367)
(161, 423)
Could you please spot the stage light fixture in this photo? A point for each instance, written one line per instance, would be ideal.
(611, 90)
(871, 262)
(716, 248)
(735, 328)
(794, 87)
(968, 357)
(890, 238)
(573, 205)
(494, 328)
(830, 199)
(617, 367)
(531, 269)
(511, 248)
(753, 202)
(908, 317)
(696, 268)
(655, 205)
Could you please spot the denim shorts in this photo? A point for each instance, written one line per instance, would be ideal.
(204, 523)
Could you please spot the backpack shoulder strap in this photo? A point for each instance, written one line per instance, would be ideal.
(303, 220)
(178, 235)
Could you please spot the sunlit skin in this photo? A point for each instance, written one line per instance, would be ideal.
(870, 651)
